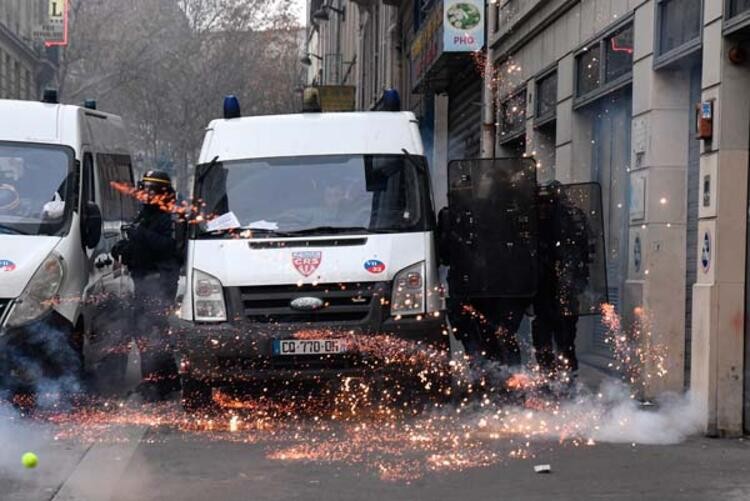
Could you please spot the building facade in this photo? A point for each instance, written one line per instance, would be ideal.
(25, 66)
(645, 97)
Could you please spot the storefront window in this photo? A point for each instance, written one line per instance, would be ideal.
(546, 95)
(679, 23)
(738, 7)
(513, 114)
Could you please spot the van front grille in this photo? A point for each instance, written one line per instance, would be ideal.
(350, 302)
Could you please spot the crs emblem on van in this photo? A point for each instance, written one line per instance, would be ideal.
(6, 265)
(307, 262)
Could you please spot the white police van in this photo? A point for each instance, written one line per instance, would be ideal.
(59, 216)
(314, 223)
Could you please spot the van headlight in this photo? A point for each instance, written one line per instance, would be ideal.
(408, 293)
(40, 294)
(208, 298)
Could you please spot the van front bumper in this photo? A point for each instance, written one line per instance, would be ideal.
(242, 351)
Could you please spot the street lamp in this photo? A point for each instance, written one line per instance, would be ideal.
(322, 13)
(306, 58)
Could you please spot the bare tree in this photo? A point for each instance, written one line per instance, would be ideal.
(165, 66)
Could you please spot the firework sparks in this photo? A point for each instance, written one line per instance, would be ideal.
(389, 430)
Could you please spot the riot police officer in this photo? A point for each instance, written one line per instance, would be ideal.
(150, 253)
(563, 275)
(486, 326)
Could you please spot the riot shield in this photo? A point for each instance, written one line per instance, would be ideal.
(492, 228)
(580, 251)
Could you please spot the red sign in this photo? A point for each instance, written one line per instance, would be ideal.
(307, 262)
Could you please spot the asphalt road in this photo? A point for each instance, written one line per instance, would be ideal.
(271, 452)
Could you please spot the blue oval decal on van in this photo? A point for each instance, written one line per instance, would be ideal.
(374, 266)
(7, 265)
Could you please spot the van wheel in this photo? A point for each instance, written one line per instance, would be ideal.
(197, 395)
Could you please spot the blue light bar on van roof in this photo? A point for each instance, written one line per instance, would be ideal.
(391, 100)
(231, 107)
(50, 96)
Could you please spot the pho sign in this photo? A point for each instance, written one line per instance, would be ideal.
(451, 28)
(464, 25)
(54, 30)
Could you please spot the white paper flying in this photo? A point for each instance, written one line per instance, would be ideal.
(226, 221)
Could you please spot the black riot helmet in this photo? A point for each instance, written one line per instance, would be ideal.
(156, 182)
(550, 189)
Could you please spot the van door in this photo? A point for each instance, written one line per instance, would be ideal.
(118, 210)
(97, 300)
(107, 312)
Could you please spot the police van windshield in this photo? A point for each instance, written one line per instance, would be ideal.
(316, 195)
(36, 189)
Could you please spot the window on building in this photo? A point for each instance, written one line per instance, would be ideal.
(589, 71)
(546, 96)
(605, 61)
(513, 115)
(619, 51)
(679, 23)
(737, 7)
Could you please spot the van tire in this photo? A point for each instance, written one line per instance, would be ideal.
(197, 395)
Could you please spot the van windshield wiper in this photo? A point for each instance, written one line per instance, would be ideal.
(328, 230)
(332, 230)
(10, 230)
(207, 169)
(413, 161)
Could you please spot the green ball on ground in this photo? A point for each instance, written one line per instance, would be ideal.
(30, 460)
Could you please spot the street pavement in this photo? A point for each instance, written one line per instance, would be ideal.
(154, 452)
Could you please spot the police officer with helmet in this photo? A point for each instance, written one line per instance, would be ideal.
(564, 258)
(150, 253)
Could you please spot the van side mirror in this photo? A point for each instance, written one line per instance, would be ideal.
(91, 225)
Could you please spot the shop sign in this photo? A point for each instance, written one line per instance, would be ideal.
(428, 44)
(337, 97)
(464, 25)
(452, 27)
(54, 30)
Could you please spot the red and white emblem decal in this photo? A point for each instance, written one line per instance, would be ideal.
(307, 262)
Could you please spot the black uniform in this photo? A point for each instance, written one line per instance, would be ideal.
(150, 253)
(486, 326)
(564, 273)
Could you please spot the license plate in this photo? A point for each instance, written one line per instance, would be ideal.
(287, 347)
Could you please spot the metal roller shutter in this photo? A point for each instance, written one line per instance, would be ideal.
(465, 114)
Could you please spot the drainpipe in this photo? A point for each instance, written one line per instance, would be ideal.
(488, 99)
